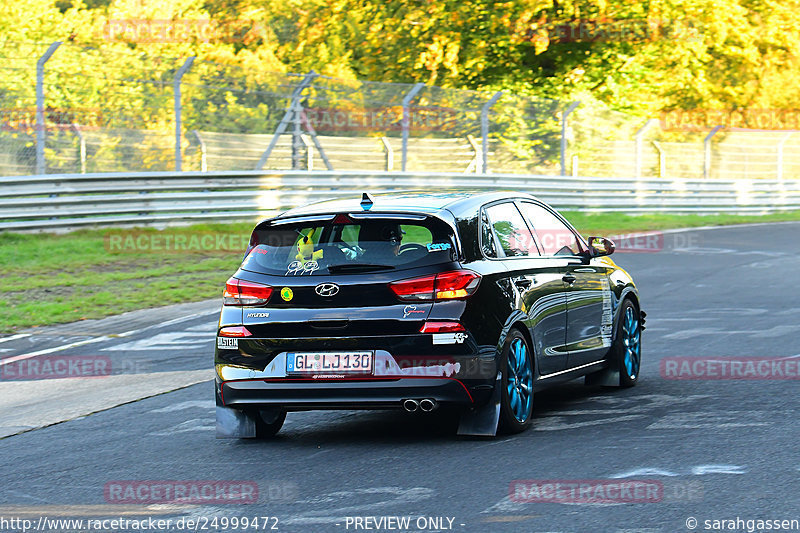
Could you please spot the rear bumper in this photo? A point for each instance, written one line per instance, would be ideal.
(462, 379)
(299, 394)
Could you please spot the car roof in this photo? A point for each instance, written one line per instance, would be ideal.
(457, 202)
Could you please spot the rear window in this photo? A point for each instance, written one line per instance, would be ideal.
(350, 245)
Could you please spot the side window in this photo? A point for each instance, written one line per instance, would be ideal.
(553, 235)
(513, 235)
(487, 239)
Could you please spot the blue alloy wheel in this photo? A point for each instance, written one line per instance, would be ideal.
(631, 340)
(520, 380)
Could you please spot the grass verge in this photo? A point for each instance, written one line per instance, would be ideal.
(56, 278)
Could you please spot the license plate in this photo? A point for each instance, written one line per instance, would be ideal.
(329, 362)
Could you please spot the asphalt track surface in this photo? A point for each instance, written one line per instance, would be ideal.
(720, 449)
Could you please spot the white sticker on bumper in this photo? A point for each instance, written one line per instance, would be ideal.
(449, 338)
(229, 343)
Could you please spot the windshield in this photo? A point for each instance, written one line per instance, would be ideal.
(345, 245)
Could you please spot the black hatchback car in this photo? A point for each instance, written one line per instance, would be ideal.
(420, 300)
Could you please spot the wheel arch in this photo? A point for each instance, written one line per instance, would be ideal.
(517, 321)
(627, 294)
(523, 329)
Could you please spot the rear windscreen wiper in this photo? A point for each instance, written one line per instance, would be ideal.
(356, 267)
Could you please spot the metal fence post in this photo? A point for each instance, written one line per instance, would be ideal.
(564, 116)
(707, 151)
(406, 121)
(475, 162)
(40, 125)
(484, 164)
(287, 117)
(297, 134)
(639, 137)
(781, 144)
(662, 160)
(176, 91)
(388, 153)
(309, 152)
(203, 152)
(82, 146)
(314, 139)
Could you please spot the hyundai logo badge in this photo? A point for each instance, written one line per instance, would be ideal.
(327, 289)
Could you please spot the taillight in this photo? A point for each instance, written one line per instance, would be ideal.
(442, 286)
(240, 292)
(235, 331)
(415, 288)
(441, 327)
(456, 284)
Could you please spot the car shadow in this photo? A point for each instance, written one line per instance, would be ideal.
(393, 426)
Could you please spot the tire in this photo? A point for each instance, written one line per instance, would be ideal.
(516, 395)
(626, 354)
(268, 422)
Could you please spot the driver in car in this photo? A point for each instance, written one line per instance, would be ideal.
(380, 241)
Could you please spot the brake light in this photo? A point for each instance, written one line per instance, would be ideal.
(443, 286)
(456, 284)
(415, 288)
(240, 292)
(235, 331)
(441, 327)
(342, 219)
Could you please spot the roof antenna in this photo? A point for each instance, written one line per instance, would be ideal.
(366, 201)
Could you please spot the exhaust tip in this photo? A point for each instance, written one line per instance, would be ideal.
(410, 405)
(427, 405)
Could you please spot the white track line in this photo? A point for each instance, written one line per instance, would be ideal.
(22, 357)
(15, 337)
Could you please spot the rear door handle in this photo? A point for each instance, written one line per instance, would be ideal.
(522, 283)
(569, 278)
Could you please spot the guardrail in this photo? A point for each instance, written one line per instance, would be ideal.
(66, 201)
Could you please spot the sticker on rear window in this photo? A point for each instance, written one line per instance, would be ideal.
(299, 268)
(230, 343)
(438, 246)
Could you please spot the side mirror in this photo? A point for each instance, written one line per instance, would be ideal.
(600, 246)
